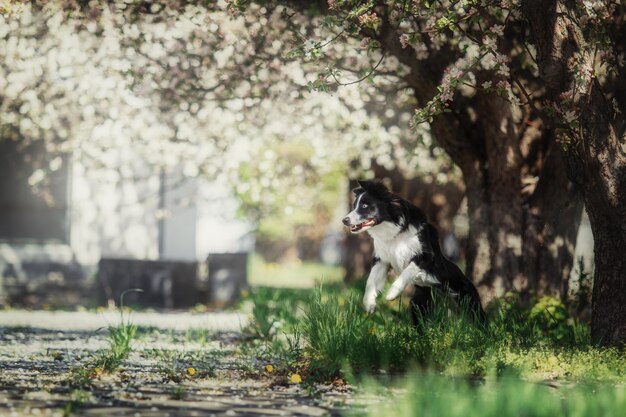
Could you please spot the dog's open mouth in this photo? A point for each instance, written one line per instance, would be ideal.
(365, 225)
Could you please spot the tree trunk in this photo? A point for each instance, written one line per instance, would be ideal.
(597, 161)
(500, 210)
(552, 216)
(520, 239)
(608, 317)
(596, 156)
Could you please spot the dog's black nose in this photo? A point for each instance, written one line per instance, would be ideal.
(346, 221)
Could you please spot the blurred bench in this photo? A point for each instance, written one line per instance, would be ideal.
(227, 277)
(164, 284)
(173, 284)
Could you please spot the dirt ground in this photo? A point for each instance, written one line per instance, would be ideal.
(181, 365)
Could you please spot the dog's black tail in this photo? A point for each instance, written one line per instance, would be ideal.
(469, 292)
(459, 284)
(455, 280)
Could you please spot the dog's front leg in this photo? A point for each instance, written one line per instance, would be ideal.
(375, 284)
(411, 275)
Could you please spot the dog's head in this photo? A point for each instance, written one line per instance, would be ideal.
(373, 204)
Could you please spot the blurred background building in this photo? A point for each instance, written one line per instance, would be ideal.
(55, 237)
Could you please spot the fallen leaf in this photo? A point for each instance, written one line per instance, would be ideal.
(295, 379)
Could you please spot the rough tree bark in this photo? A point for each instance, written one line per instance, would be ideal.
(550, 213)
(595, 155)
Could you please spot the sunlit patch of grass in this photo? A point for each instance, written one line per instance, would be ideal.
(340, 338)
(275, 310)
(432, 395)
(339, 334)
(294, 274)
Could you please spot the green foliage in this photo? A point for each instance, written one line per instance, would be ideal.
(540, 341)
(120, 338)
(274, 309)
(283, 276)
(551, 317)
(429, 395)
(289, 196)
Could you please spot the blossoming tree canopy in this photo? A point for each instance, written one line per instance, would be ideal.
(521, 95)
(197, 91)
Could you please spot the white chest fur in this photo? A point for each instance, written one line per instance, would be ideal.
(394, 247)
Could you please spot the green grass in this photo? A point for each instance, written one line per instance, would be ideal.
(529, 360)
(436, 396)
(291, 274)
(534, 342)
(276, 310)
(120, 337)
(108, 360)
(528, 343)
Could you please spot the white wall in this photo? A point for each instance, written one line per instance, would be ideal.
(113, 217)
(218, 227)
(179, 219)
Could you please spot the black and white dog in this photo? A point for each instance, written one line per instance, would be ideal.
(406, 242)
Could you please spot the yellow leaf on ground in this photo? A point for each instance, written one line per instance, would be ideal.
(269, 369)
(295, 379)
(191, 371)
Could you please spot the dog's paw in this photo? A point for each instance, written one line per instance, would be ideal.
(369, 304)
(395, 291)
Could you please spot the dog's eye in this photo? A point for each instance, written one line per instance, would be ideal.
(364, 206)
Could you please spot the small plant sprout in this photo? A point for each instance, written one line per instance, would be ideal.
(120, 338)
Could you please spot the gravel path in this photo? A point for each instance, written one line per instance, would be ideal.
(181, 365)
(84, 320)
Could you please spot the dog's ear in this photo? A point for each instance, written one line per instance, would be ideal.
(376, 189)
(365, 183)
(358, 191)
